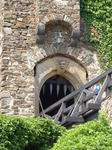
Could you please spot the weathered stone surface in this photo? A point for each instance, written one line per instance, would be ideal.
(19, 38)
(8, 30)
(106, 107)
(20, 54)
(21, 25)
(1, 40)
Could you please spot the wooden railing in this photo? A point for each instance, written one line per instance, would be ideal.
(87, 99)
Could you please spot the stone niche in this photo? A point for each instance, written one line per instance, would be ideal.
(58, 37)
(56, 15)
(57, 34)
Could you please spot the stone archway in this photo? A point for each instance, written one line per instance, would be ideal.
(70, 69)
(53, 90)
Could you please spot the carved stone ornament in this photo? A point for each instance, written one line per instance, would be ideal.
(62, 65)
(75, 34)
(40, 34)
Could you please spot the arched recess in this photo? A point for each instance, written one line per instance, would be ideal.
(68, 67)
(59, 22)
(54, 89)
(53, 18)
(57, 32)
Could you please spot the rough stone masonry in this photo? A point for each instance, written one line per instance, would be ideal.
(34, 33)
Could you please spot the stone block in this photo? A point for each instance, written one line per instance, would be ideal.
(21, 24)
(40, 39)
(75, 33)
(40, 34)
(74, 42)
(40, 30)
(4, 95)
(8, 30)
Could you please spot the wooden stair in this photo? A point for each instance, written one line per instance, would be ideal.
(87, 102)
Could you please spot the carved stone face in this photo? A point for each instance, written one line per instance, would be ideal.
(61, 65)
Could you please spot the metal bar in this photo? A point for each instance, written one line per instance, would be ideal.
(55, 82)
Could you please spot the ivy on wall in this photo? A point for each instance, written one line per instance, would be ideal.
(98, 17)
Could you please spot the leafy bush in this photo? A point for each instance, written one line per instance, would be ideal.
(98, 13)
(18, 133)
(43, 133)
(94, 135)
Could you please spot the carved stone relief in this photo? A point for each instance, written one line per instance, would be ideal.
(62, 64)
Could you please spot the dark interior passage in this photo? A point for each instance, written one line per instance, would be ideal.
(53, 90)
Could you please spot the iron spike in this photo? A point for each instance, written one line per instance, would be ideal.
(51, 88)
(43, 89)
(71, 89)
(65, 88)
(58, 87)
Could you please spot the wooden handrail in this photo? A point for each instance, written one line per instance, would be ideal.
(73, 94)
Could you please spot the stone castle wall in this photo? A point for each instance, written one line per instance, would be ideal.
(1, 39)
(66, 10)
(20, 54)
(1, 33)
(19, 38)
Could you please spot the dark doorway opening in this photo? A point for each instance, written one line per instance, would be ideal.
(53, 90)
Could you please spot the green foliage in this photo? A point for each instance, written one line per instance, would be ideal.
(43, 133)
(98, 13)
(94, 135)
(18, 133)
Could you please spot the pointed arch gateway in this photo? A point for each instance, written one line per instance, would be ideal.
(54, 89)
(56, 76)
